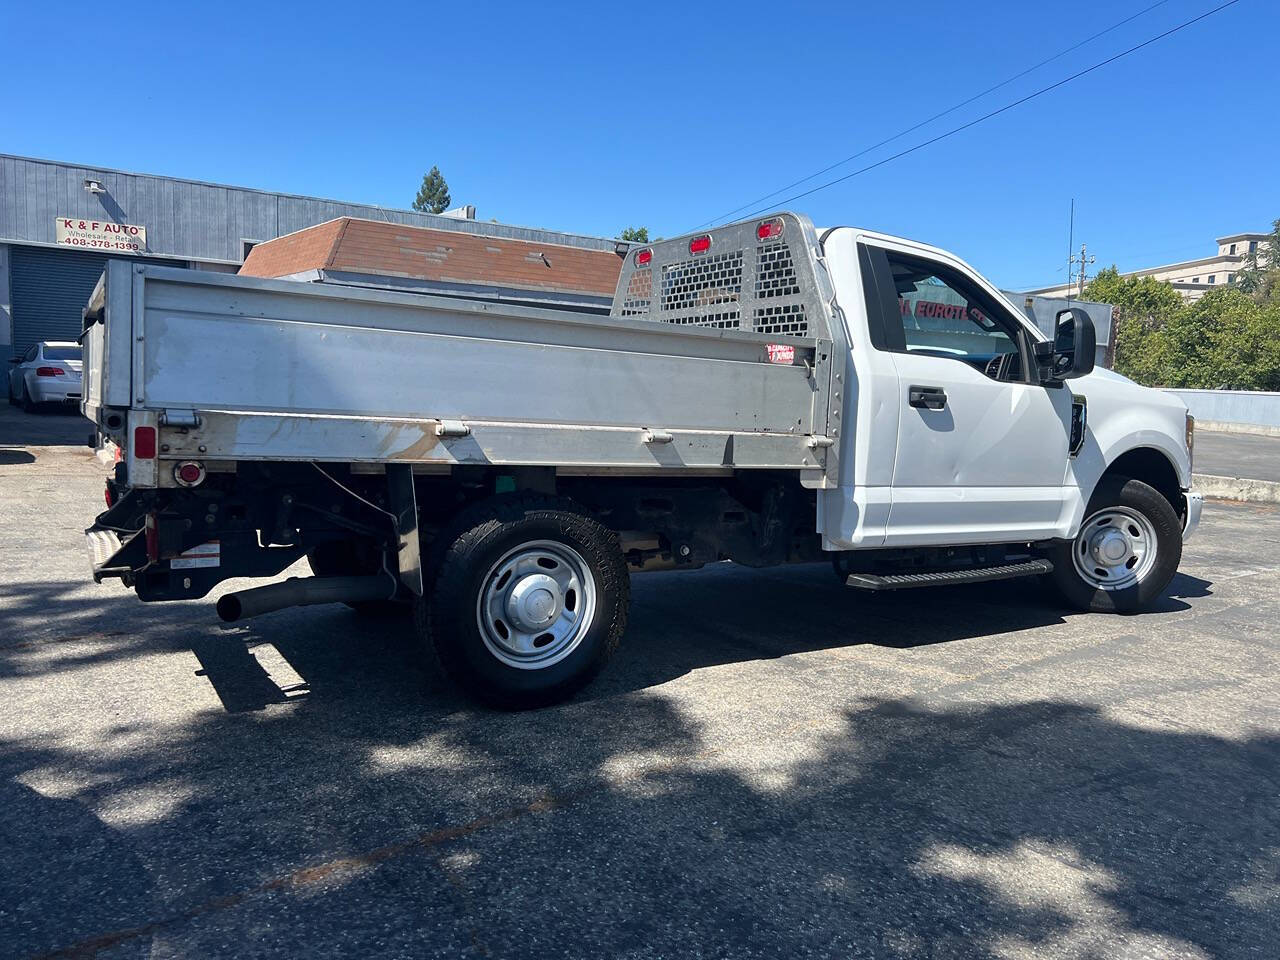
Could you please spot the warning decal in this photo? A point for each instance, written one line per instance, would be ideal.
(206, 555)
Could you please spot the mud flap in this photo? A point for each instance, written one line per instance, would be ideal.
(404, 505)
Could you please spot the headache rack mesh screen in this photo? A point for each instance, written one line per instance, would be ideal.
(639, 293)
(739, 283)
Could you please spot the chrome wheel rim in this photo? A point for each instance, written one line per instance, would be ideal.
(536, 604)
(1116, 548)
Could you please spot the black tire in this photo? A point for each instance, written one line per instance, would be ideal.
(348, 558)
(447, 618)
(28, 405)
(1146, 500)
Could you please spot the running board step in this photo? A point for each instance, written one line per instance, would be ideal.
(901, 581)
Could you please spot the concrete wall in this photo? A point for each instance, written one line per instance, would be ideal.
(1244, 407)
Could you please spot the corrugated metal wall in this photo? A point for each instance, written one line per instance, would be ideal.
(193, 220)
(49, 288)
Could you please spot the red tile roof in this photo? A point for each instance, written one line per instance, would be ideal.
(444, 256)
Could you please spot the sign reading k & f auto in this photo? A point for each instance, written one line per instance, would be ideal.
(101, 235)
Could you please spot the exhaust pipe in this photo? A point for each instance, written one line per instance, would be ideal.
(300, 592)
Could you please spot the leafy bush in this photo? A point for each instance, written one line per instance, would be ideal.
(1227, 340)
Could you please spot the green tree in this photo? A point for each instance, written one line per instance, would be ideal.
(1143, 307)
(1260, 277)
(635, 235)
(1224, 341)
(433, 195)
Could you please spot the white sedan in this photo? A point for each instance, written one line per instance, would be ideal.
(49, 372)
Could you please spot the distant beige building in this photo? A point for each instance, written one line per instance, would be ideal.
(1191, 278)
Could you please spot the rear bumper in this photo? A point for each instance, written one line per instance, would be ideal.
(1191, 517)
(54, 391)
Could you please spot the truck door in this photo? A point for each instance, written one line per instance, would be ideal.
(982, 447)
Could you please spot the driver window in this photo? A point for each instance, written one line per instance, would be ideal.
(944, 317)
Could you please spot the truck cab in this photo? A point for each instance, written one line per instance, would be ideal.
(961, 435)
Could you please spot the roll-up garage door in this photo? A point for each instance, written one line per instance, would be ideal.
(49, 288)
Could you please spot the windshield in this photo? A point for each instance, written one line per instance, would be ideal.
(61, 353)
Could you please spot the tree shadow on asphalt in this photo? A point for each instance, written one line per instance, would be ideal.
(615, 828)
(381, 814)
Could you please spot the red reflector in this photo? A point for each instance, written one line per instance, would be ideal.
(700, 244)
(151, 534)
(767, 229)
(144, 443)
(49, 371)
(643, 257)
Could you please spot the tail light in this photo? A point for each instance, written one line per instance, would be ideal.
(769, 229)
(700, 244)
(108, 496)
(144, 443)
(1191, 440)
(49, 371)
(644, 257)
(189, 473)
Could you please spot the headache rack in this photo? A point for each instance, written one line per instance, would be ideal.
(758, 276)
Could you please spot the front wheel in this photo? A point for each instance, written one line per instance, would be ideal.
(1126, 552)
(528, 601)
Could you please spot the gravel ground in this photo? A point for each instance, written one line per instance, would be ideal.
(774, 766)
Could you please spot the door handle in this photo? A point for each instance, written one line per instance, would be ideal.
(929, 398)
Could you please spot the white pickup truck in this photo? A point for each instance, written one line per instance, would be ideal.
(763, 393)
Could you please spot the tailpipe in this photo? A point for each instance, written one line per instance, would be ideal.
(300, 592)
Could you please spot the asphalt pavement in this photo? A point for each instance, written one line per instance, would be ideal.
(1247, 455)
(774, 766)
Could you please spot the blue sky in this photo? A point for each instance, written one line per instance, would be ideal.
(592, 117)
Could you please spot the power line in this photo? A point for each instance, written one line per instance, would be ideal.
(998, 111)
(937, 116)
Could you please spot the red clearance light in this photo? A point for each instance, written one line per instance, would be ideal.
(189, 473)
(700, 244)
(644, 257)
(49, 371)
(144, 443)
(768, 229)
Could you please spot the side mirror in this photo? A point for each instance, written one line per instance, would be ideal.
(1072, 351)
(15, 359)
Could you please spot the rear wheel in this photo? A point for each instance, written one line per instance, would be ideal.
(528, 601)
(1126, 552)
(28, 405)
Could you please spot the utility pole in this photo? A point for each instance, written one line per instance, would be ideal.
(1083, 261)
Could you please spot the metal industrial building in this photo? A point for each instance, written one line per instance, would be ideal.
(60, 222)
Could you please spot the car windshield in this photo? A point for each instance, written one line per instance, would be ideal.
(61, 353)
